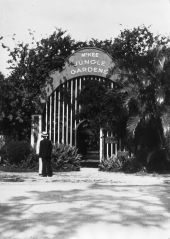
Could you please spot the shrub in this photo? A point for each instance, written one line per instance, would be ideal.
(121, 162)
(111, 164)
(3, 155)
(123, 156)
(158, 161)
(132, 165)
(18, 155)
(31, 161)
(2, 141)
(141, 155)
(65, 158)
(115, 162)
(17, 151)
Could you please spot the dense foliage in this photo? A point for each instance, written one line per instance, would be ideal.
(23, 91)
(138, 102)
(18, 155)
(121, 162)
(145, 63)
(65, 158)
(103, 106)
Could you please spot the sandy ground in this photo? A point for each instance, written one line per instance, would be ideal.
(84, 205)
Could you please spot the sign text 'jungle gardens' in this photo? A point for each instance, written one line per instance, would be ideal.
(89, 62)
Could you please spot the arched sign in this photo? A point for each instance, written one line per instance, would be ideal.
(84, 62)
(89, 61)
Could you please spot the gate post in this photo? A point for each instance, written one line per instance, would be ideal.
(101, 144)
(36, 128)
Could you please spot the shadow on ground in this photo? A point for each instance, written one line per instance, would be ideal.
(63, 212)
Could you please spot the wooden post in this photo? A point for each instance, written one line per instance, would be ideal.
(75, 121)
(111, 145)
(101, 144)
(71, 115)
(67, 117)
(50, 128)
(107, 146)
(58, 117)
(63, 120)
(54, 119)
(46, 116)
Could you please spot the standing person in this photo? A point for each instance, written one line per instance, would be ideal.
(45, 154)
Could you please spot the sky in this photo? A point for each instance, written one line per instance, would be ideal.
(82, 19)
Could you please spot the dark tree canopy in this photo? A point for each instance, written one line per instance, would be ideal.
(30, 68)
(145, 60)
(141, 56)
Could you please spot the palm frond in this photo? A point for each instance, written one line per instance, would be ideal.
(126, 89)
(165, 118)
(133, 123)
(132, 97)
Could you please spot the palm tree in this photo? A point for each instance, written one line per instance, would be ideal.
(146, 97)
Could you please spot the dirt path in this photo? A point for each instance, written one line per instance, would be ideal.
(84, 205)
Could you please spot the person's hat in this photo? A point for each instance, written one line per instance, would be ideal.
(44, 134)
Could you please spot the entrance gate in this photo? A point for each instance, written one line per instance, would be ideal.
(59, 118)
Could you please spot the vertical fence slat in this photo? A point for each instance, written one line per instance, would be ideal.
(80, 86)
(46, 116)
(54, 117)
(50, 119)
(101, 145)
(58, 117)
(107, 146)
(63, 117)
(75, 121)
(71, 115)
(67, 117)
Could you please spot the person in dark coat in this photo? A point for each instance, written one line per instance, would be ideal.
(45, 153)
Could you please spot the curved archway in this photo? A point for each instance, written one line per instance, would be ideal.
(60, 113)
